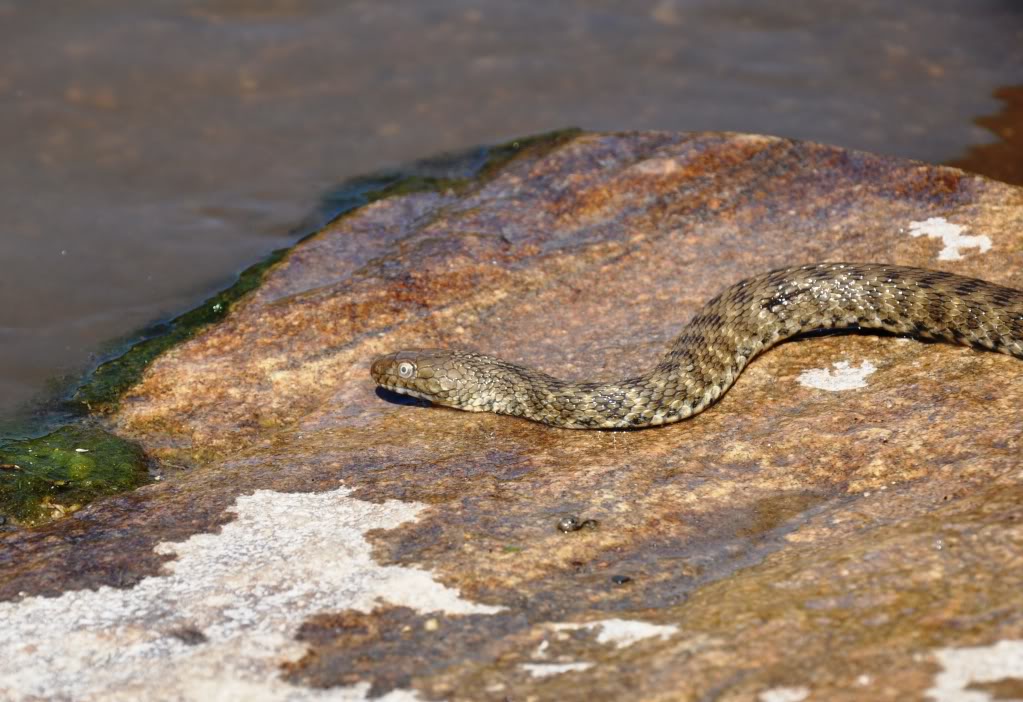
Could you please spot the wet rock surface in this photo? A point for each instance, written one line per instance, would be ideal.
(1003, 159)
(846, 523)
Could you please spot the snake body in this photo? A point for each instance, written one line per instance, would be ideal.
(730, 330)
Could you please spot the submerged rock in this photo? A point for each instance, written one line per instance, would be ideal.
(846, 523)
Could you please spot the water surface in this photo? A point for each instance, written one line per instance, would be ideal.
(152, 150)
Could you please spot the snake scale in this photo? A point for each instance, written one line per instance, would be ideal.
(713, 348)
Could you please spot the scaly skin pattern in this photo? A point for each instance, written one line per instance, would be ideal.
(726, 334)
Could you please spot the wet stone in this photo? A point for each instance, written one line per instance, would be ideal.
(839, 540)
(570, 523)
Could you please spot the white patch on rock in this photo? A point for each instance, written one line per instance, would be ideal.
(980, 664)
(951, 236)
(544, 670)
(622, 632)
(784, 694)
(843, 377)
(656, 167)
(223, 617)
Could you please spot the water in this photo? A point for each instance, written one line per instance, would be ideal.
(152, 150)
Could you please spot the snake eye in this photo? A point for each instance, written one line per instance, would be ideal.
(406, 369)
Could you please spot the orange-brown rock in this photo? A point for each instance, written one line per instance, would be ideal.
(844, 524)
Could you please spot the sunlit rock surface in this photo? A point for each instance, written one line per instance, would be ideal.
(847, 523)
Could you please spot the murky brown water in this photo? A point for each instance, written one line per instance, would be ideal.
(150, 151)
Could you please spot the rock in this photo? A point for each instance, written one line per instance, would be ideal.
(1002, 158)
(846, 523)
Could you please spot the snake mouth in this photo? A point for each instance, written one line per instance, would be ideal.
(406, 391)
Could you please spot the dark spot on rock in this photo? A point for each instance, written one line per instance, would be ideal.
(390, 647)
(189, 635)
(621, 579)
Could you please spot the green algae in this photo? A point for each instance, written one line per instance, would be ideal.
(45, 478)
(102, 389)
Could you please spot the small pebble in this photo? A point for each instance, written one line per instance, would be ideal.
(573, 523)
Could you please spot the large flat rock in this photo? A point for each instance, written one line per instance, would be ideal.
(847, 523)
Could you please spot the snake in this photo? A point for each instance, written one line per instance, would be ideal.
(710, 352)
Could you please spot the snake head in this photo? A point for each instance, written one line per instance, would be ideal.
(437, 375)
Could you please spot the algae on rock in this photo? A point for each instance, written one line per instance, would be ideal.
(45, 478)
